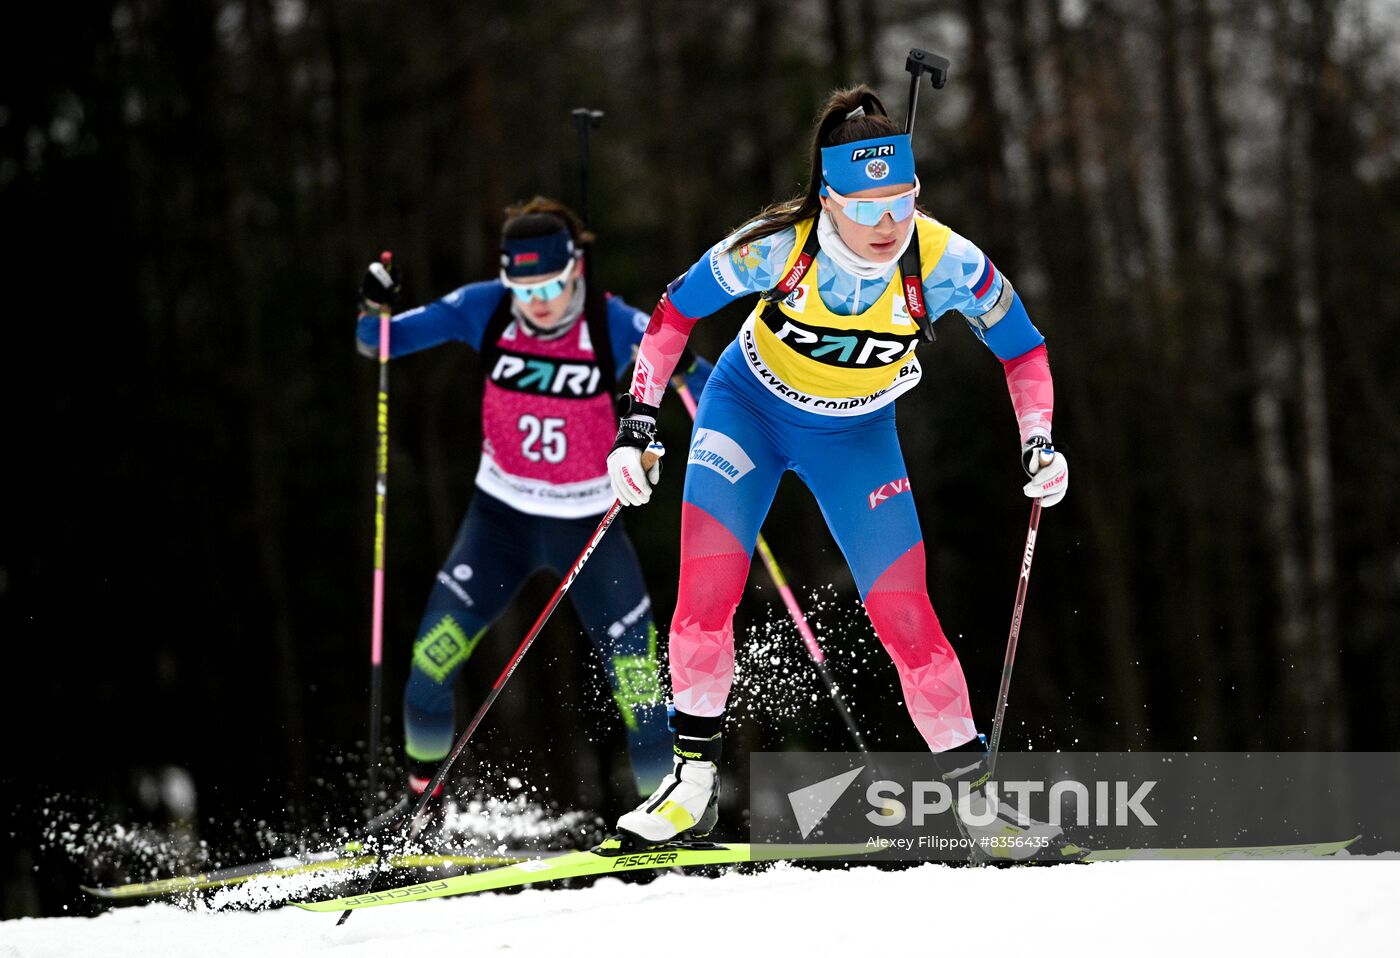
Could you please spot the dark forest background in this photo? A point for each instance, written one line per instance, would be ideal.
(1199, 202)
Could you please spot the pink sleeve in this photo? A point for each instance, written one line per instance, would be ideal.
(1032, 392)
(660, 351)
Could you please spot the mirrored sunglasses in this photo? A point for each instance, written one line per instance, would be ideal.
(546, 289)
(868, 212)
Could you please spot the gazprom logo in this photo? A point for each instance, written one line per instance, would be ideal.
(715, 450)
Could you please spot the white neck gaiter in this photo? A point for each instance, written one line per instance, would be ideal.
(843, 256)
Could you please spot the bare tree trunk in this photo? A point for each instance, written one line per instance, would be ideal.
(869, 41)
(1238, 302)
(1321, 681)
(1078, 221)
(769, 161)
(1181, 193)
(839, 67)
(665, 130)
(985, 131)
(1191, 355)
(268, 390)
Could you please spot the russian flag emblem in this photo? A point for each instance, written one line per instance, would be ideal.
(983, 283)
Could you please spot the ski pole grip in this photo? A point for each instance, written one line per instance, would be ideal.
(649, 459)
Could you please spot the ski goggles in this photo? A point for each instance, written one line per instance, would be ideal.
(545, 289)
(869, 211)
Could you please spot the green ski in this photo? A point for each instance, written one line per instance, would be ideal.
(588, 863)
(1227, 853)
(583, 864)
(313, 864)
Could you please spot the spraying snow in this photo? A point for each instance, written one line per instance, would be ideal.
(1137, 908)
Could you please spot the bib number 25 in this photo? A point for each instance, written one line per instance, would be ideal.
(544, 438)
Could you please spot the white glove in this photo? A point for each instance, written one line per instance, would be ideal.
(1048, 469)
(631, 483)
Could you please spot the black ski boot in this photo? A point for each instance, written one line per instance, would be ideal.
(399, 825)
(995, 829)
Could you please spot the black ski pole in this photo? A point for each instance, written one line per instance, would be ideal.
(585, 120)
(648, 460)
(1022, 585)
(918, 63)
(381, 491)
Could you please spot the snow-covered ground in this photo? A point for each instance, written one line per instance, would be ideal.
(1348, 906)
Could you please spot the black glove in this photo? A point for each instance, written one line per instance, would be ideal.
(636, 436)
(636, 426)
(380, 287)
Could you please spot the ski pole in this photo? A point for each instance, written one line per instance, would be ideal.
(918, 63)
(584, 120)
(648, 460)
(794, 610)
(381, 489)
(1022, 585)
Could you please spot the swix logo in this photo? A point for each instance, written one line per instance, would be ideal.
(887, 490)
(794, 275)
(870, 152)
(530, 374)
(914, 296)
(1030, 552)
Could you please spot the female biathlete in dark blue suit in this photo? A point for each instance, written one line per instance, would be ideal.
(551, 348)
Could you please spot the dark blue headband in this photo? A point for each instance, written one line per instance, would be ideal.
(866, 164)
(537, 255)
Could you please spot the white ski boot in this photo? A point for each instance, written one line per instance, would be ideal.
(686, 803)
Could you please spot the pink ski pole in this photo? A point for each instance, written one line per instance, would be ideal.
(790, 600)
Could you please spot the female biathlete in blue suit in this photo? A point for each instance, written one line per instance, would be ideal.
(551, 347)
(851, 275)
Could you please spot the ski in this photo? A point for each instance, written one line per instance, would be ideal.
(1224, 853)
(684, 855)
(315, 863)
(585, 864)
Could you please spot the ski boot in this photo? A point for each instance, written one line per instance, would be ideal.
(686, 803)
(995, 828)
(399, 825)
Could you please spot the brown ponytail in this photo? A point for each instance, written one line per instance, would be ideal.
(833, 128)
(543, 215)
